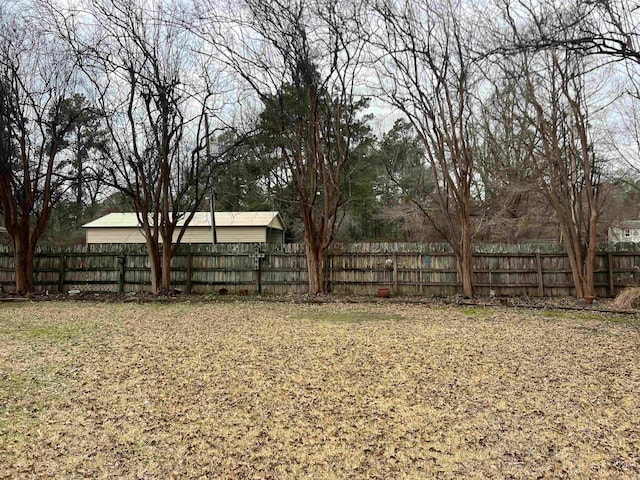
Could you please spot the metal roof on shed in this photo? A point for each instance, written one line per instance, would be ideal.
(200, 219)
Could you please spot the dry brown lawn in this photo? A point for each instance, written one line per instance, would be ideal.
(268, 390)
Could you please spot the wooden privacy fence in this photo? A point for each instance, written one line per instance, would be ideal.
(360, 269)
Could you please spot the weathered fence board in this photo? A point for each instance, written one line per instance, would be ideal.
(408, 269)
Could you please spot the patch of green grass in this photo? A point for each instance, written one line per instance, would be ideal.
(16, 384)
(471, 311)
(10, 435)
(477, 312)
(570, 315)
(631, 321)
(43, 331)
(627, 320)
(347, 317)
(24, 389)
(36, 364)
(23, 396)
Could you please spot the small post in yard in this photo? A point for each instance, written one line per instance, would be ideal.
(61, 272)
(121, 273)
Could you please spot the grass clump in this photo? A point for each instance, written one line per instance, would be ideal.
(627, 299)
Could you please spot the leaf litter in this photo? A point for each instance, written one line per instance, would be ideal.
(259, 390)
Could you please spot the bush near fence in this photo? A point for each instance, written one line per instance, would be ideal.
(356, 268)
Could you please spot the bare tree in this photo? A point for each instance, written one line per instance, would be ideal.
(513, 207)
(568, 172)
(573, 176)
(426, 70)
(549, 54)
(158, 96)
(301, 59)
(35, 79)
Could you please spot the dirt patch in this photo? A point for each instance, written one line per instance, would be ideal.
(282, 390)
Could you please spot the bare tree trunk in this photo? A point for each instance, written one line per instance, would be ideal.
(582, 257)
(155, 265)
(575, 259)
(466, 260)
(590, 288)
(23, 261)
(316, 267)
(166, 266)
(313, 268)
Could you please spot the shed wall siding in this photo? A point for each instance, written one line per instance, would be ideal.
(196, 235)
(114, 235)
(192, 235)
(242, 234)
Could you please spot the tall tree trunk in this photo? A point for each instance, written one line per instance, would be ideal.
(155, 265)
(23, 259)
(79, 173)
(590, 288)
(576, 270)
(583, 258)
(466, 254)
(578, 262)
(166, 266)
(466, 260)
(316, 266)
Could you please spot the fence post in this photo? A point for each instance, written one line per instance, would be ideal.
(421, 271)
(612, 287)
(258, 275)
(490, 275)
(189, 266)
(329, 271)
(61, 272)
(395, 273)
(121, 274)
(257, 257)
(540, 277)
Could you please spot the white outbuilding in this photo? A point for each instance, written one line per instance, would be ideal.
(231, 227)
(626, 231)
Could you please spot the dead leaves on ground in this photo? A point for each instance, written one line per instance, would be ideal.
(256, 390)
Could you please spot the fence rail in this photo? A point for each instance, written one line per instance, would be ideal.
(409, 269)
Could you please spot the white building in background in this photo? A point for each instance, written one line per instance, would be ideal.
(231, 227)
(626, 231)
